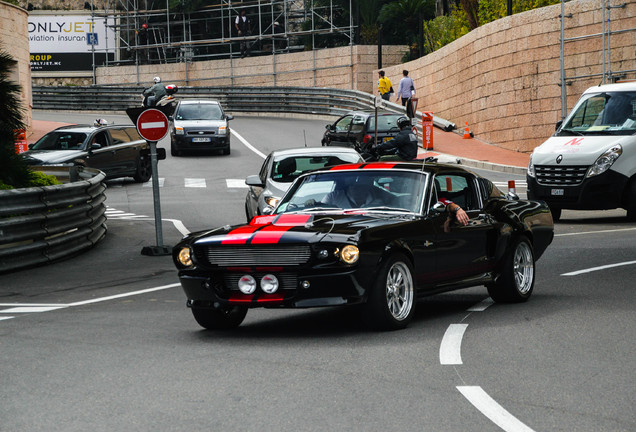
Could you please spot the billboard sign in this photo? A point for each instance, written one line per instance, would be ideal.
(66, 42)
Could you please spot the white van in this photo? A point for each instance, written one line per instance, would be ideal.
(590, 161)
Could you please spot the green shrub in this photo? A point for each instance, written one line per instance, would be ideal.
(40, 179)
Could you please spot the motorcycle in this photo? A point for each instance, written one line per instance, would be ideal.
(167, 100)
(369, 152)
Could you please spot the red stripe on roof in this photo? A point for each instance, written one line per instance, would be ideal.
(380, 165)
(347, 166)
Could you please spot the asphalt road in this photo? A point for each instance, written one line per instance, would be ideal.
(104, 340)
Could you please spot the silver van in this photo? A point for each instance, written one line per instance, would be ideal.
(590, 161)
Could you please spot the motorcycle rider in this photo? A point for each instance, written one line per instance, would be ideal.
(402, 147)
(153, 94)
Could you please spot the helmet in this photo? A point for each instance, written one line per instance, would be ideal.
(171, 89)
(144, 25)
(403, 122)
(157, 79)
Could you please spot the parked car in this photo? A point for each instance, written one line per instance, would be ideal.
(282, 167)
(117, 150)
(358, 127)
(405, 245)
(199, 124)
(590, 161)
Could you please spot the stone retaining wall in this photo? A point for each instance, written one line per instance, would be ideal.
(14, 40)
(503, 78)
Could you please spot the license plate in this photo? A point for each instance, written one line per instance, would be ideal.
(556, 192)
(200, 139)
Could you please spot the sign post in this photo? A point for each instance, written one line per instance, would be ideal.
(427, 130)
(152, 125)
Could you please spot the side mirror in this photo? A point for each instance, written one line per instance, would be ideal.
(254, 180)
(330, 127)
(229, 117)
(95, 146)
(171, 118)
(558, 124)
(439, 207)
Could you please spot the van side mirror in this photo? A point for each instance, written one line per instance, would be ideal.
(229, 117)
(558, 124)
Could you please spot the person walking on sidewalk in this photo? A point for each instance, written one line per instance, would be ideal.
(384, 86)
(406, 89)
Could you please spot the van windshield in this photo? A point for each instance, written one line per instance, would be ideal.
(603, 113)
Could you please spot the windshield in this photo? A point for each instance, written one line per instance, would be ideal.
(286, 170)
(613, 113)
(199, 112)
(373, 190)
(61, 141)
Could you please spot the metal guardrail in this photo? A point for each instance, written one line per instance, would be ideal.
(299, 100)
(43, 224)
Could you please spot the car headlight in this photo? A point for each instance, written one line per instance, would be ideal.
(222, 130)
(178, 130)
(605, 161)
(271, 201)
(185, 256)
(531, 168)
(349, 254)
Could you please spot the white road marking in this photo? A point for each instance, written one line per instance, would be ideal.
(491, 409)
(595, 232)
(592, 269)
(149, 183)
(31, 309)
(450, 348)
(236, 183)
(194, 182)
(5, 318)
(481, 306)
(248, 145)
(128, 294)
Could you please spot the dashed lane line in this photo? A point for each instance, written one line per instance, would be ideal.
(603, 267)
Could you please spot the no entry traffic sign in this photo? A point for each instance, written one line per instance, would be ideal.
(152, 125)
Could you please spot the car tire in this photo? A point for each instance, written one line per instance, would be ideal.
(391, 302)
(220, 319)
(174, 151)
(144, 169)
(515, 282)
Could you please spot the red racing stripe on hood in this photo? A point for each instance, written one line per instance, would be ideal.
(273, 233)
(240, 235)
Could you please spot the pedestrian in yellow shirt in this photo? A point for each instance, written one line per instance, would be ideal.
(384, 86)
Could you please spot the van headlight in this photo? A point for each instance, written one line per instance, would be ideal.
(222, 130)
(178, 130)
(530, 168)
(605, 161)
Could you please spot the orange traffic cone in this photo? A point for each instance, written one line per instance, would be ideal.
(467, 134)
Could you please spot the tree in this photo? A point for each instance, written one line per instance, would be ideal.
(402, 20)
(471, 7)
(13, 170)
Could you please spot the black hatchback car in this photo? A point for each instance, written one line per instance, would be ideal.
(401, 244)
(116, 150)
(358, 127)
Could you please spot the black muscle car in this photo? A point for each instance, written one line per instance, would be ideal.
(376, 234)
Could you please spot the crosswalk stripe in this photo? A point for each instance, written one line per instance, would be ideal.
(149, 183)
(236, 183)
(194, 182)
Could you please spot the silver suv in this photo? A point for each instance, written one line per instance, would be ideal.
(199, 124)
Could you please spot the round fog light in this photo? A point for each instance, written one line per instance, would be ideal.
(269, 283)
(247, 284)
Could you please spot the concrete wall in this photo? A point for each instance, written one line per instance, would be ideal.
(14, 40)
(503, 78)
(349, 67)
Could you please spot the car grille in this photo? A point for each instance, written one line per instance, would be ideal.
(200, 133)
(560, 175)
(250, 255)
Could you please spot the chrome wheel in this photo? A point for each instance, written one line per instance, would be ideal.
(399, 291)
(523, 268)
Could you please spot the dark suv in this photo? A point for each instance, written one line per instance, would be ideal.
(359, 127)
(117, 150)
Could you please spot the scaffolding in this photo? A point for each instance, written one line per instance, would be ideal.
(607, 75)
(178, 34)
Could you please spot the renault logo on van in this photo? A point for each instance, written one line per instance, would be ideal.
(559, 159)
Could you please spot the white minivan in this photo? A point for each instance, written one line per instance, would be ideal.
(590, 161)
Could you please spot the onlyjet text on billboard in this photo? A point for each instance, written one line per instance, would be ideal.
(65, 42)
